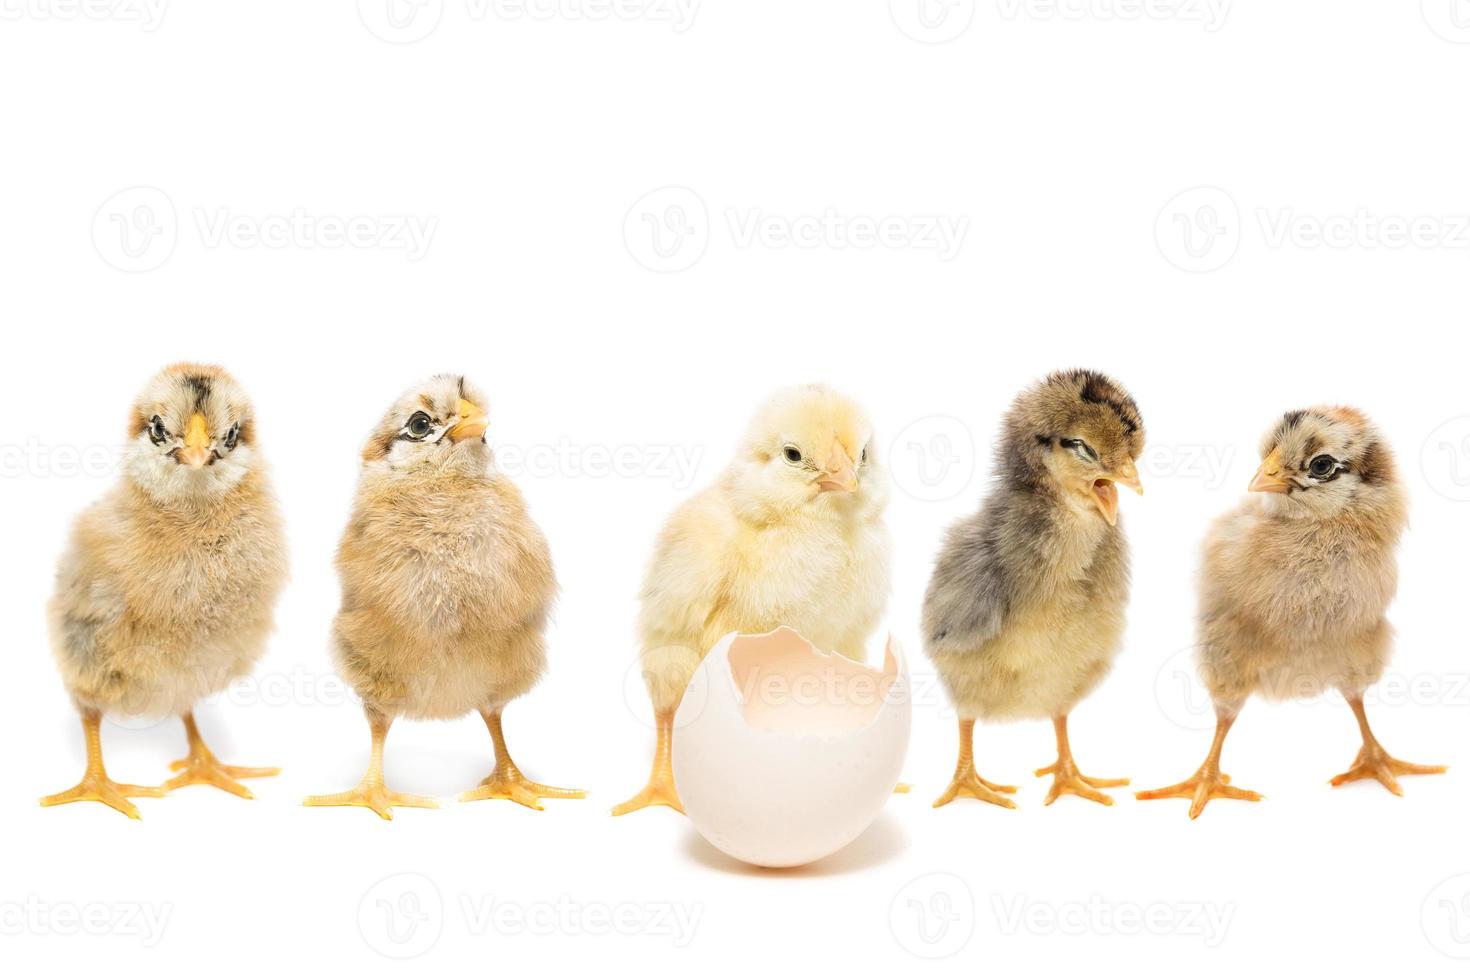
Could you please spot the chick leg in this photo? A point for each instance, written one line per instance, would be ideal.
(507, 782)
(202, 767)
(1209, 783)
(371, 792)
(1067, 779)
(660, 790)
(967, 781)
(95, 784)
(1374, 763)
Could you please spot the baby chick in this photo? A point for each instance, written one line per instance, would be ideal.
(1295, 585)
(790, 534)
(1024, 613)
(165, 593)
(447, 586)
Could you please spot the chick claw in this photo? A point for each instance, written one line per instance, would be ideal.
(1201, 788)
(97, 788)
(967, 782)
(203, 767)
(660, 791)
(376, 797)
(1068, 781)
(1374, 763)
(507, 783)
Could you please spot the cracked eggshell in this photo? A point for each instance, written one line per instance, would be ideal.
(784, 754)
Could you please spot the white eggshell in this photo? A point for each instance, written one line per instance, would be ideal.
(784, 754)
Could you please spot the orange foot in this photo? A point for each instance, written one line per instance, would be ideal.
(201, 767)
(97, 788)
(1374, 763)
(1066, 780)
(507, 783)
(967, 782)
(1201, 788)
(371, 793)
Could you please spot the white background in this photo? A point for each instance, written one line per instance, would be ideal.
(1061, 139)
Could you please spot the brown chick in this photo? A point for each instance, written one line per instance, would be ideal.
(166, 591)
(1025, 611)
(1295, 585)
(790, 534)
(447, 586)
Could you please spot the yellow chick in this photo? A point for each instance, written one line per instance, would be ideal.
(447, 586)
(1295, 586)
(166, 591)
(790, 534)
(1025, 610)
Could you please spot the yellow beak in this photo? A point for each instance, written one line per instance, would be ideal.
(1105, 490)
(196, 451)
(839, 474)
(1268, 477)
(472, 422)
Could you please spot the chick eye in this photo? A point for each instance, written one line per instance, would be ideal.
(156, 431)
(1080, 448)
(792, 454)
(232, 438)
(1322, 466)
(864, 457)
(420, 425)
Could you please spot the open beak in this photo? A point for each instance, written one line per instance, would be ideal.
(839, 474)
(196, 452)
(1105, 490)
(472, 422)
(1268, 477)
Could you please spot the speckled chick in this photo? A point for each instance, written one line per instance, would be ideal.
(1295, 585)
(1024, 614)
(790, 534)
(166, 590)
(447, 586)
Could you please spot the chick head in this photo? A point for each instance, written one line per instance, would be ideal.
(808, 446)
(1079, 432)
(435, 425)
(191, 434)
(1321, 461)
